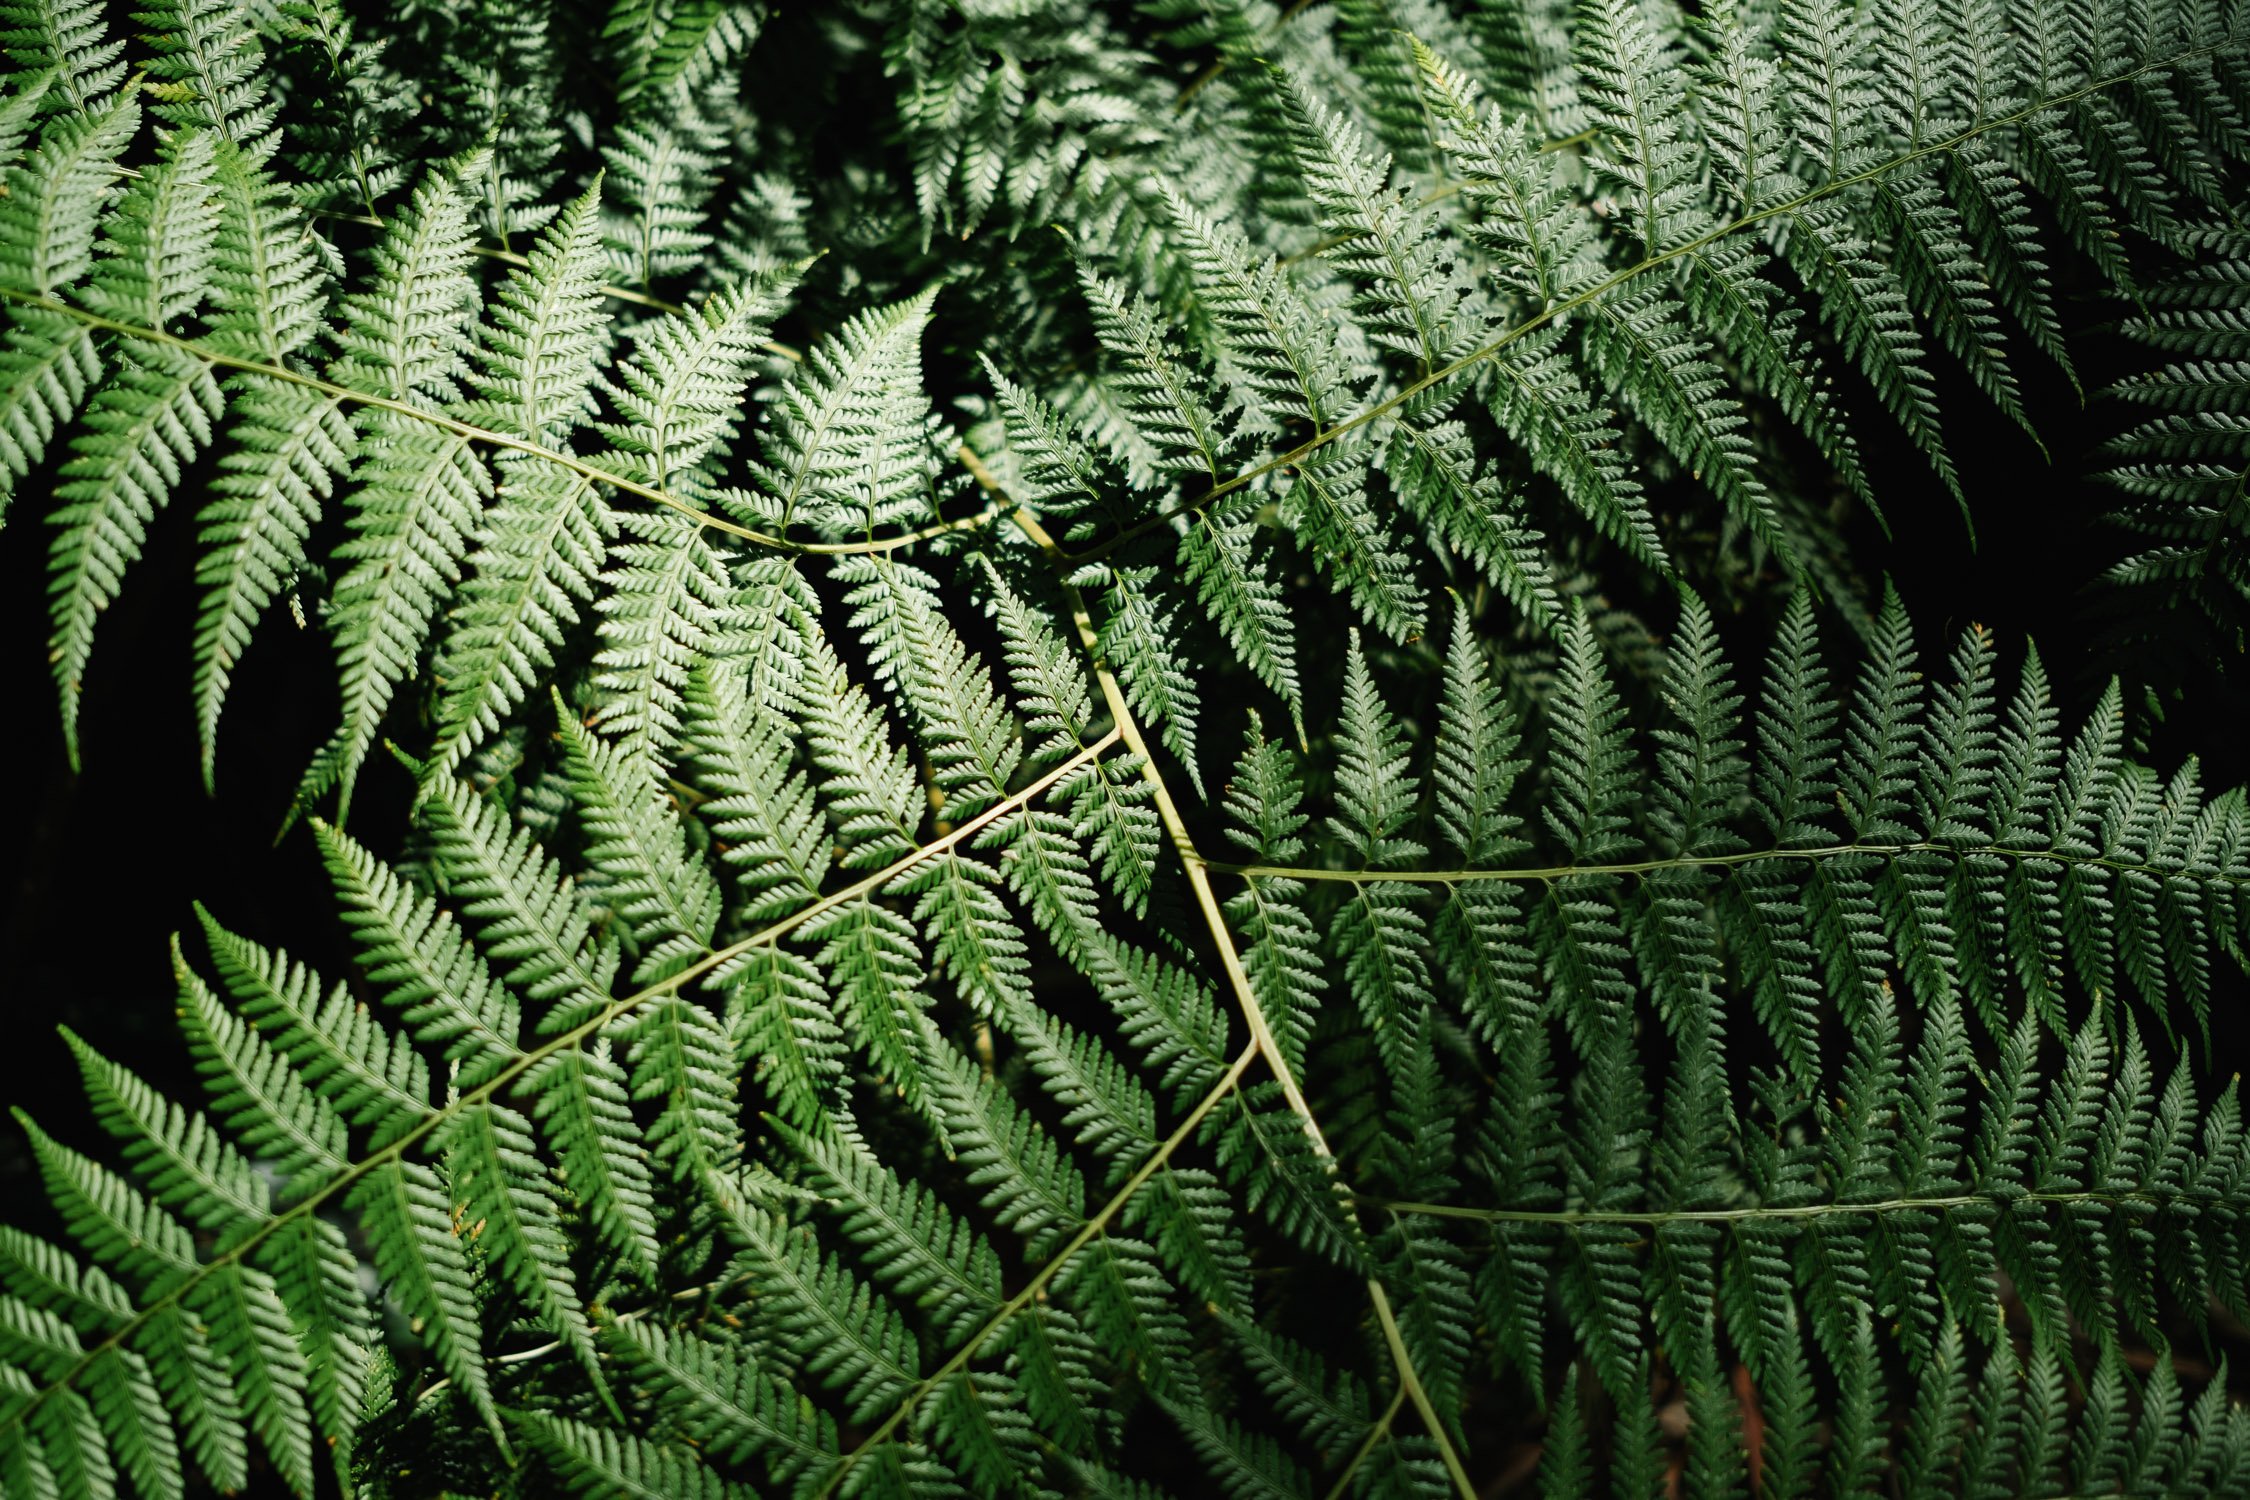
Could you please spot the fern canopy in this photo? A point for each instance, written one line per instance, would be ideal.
(1285, 843)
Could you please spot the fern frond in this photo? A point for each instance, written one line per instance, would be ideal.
(418, 492)
(583, 1456)
(650, 877)
(70, 40)
(543, 539)
(721, 1400)
(843, 443)
(811, 1062)
(1409, 296)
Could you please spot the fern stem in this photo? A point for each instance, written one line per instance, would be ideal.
(1261, 1030)
(490, 438)
(2146, 1201)
(1618, 278)
(1703, 862)
(436, 1119)
(1411, 1382)
(1175, 827)
(557, 1346)
(1047, 1273)
(1373, 1440)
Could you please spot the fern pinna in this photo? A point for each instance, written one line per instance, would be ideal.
(845, 1019)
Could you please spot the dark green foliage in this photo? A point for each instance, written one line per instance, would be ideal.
(806, 1042)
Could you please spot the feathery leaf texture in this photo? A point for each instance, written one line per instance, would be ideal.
(809, 1042)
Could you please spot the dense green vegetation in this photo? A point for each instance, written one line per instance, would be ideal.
(1113, 749)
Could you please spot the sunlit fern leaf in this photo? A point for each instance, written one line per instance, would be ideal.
(153, 417)
(663, 173)
(528, 911)
(843, 441)
(1165, 399)
(1866, 308)
(1139, 634)
(136, 1238)
(848, 1060)
(1748, 316)
(1283, 354)
(1541, 249)
(1667, 376)
(1219, 559)
(1045, 867)
(863, 1349)
(498, 91)
(543, 539)
(346, 139)
(780, 1017)
(337, 1047)
(974, 742)
(56, 196)
(426, 1267)
(1948, 284)
(759, 803)
(919, 1249)
(1383, 936)
(207, 56)
(154, 414)
(669, 587)
(1045, 674)
(867, 783)
(418, 491)
(270, 492)
(316, 1277)
(1064, 475)
(1633, 91)
(69, 38)
(1107, 1106)
(682, 1060)
(48, 363)
(1332, 515)
(650, 878)
(1029, 1186)
(186, 1167)
(416, 952)
(583, 1104)
(1281, 958)
(267, 279)
(1539, 399)
(875, 968)
(660, 43)
(48, 223)
(1435, 473)
(1128, 1305)
(254, 1092)
(1263, 1150)
(1410, 297)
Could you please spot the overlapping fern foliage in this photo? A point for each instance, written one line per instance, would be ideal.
(1172, 775)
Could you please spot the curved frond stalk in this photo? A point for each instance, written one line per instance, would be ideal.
(447, 998)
